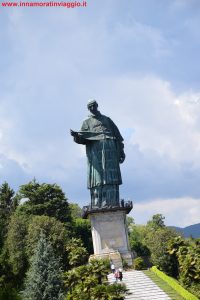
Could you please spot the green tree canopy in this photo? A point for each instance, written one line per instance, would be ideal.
(130, 222)
(44, 278)
(55, 232)
(156, 222)
(15, 244)
(77, 254)
(150, 241)
(76, 211)
(82, 230)
(137, 234)
(6, 198)
(7, 205)
(22, 238)
(90, 282)
(44, 199)
(186, 257)
(157, 242)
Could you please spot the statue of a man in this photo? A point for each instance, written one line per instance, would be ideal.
(105, 151)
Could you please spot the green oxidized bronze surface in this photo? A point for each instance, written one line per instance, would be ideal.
(105, 151)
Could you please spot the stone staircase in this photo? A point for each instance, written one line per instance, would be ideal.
(112, 255)
(140, 286)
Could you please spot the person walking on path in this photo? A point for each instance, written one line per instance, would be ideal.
(112, 266)
(116, 275)
(120, 274)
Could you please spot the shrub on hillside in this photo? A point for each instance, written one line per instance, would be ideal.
(139, 263)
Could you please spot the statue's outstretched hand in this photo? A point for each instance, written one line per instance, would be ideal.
(73, 133)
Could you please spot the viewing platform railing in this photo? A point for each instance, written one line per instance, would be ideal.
(123, 205)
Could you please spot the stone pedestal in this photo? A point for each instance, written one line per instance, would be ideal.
(110, 236)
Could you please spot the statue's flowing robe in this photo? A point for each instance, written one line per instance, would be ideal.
(104, 147)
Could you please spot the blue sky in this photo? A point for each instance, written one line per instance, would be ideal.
(140, 60)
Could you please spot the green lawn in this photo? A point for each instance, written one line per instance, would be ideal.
(163, 285)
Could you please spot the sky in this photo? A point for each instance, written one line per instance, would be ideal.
(140, 60)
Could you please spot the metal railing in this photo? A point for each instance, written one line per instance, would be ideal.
(123, 205)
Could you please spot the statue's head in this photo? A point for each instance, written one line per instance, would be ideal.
(92, 102)
(92, 105)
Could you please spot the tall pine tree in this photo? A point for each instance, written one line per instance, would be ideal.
(6, 206)
(43, 281)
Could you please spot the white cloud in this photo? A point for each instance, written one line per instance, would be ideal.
(162, 146)
(149, 106)
(120, 55)
(177, 211)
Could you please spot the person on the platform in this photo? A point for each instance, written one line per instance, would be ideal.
(120, 274)
(116, 275)
(105, 151)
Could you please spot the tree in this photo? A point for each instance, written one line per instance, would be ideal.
(44, 199)
(14, 249)
(55, 232)
(172, 249)
(79, 282)
(43, 281)
(138, 263)
(6, 207)
(150, 242)
(100, 268)
(10, 294)
(130, 222)
(157, 242)
(22, 238)
(6, 199)
(82, 230)
(77, 254)
(81, 227)
(156, 222)
(186, 257)
(76, 211)
(137, 234)
(189, 266)
(90, 282)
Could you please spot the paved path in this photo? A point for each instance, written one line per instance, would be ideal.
(141, 286)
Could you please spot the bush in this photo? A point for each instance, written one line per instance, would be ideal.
(77, 254)
(186, 255)
(139, 263)
(9, 294)
(124, 264)
(174, 284)
(90, 282)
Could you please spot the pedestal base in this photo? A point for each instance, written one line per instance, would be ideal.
(113, 256)
(110, 236)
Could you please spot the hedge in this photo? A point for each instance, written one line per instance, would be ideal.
(174, 284)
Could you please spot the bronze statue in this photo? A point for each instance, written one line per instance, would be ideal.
(105, 151)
